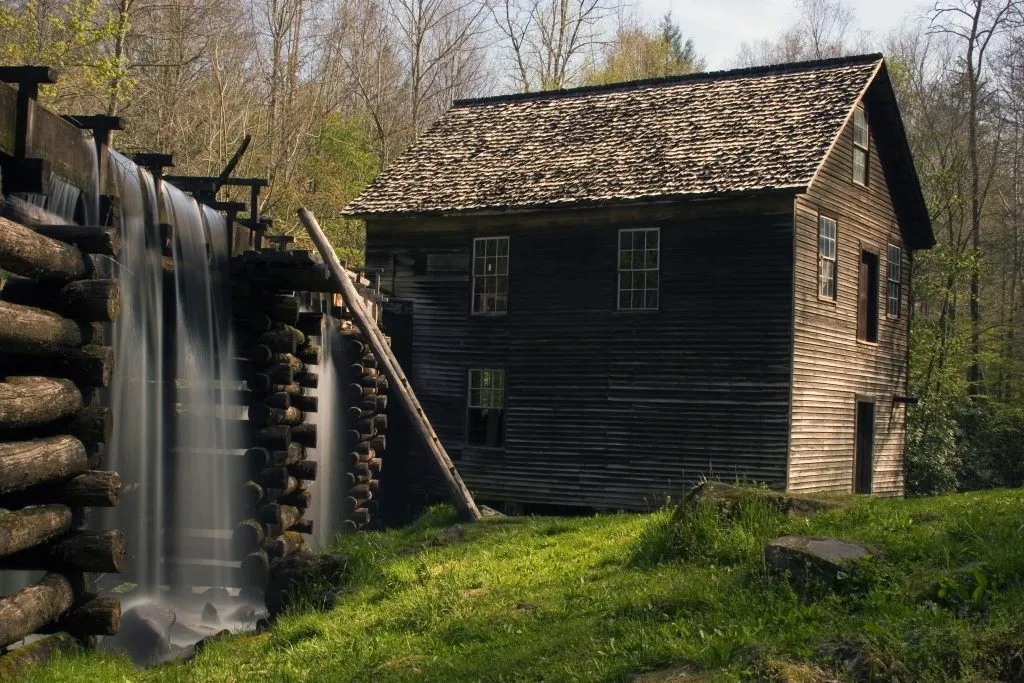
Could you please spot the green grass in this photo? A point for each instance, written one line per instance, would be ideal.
(606, 597)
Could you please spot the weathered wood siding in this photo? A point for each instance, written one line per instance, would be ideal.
(606, 409)
(831, 367)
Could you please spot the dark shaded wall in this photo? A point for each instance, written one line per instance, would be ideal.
(605, 409)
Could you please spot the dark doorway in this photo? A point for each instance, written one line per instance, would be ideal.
(864, 457)
(867, 306)
(397, 506)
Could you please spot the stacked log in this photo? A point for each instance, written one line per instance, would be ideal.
(281, 362)
(52, 364)
(366, 407)
(269, 288)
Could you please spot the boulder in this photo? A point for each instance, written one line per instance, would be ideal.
(144, 634)
(727, 498)
(452, 534)
(210, 615)
(486, 511)
(245, 612)
(809, 558)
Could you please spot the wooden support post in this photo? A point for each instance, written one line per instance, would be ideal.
(400, 385)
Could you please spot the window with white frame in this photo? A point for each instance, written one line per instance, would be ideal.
(490, 275)
(485, 414)
(826, 257)
(860, 146)
(894, 285)
(639, 262)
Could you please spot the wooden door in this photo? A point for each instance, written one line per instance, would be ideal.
(864, 456)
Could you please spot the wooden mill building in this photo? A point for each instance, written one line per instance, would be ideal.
(618, 290)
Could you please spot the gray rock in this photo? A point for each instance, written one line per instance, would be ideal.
(452, 534)
(245, 612)
(144, 634)
(210, 615)
(263, 625)
(806, 558)
(727, 498)
(486, 511)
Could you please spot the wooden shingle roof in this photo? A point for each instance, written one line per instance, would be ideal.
(740, 131)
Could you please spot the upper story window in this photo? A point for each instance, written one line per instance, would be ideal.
(860, 146)
(639, 260)
(894, 285)
(826, 257)
(490, 275)
(485, 414)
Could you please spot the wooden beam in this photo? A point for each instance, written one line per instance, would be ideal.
(25, 252)
(83, 300)
(23, 529)
(91, 239)
(91, 365)
(80, 551)
(22, 659)
(31, 608)
(389, 364)
(89, 489)
(27, 463)
(33, 401)
(35, 332)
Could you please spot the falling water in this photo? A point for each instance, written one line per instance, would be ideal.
(138, 448)
(327, 505)
(92, 197)
(206, 468)
(63, 198)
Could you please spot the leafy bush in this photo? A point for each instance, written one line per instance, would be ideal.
(967, 445)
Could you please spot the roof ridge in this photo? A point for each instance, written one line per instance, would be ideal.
(722, 74)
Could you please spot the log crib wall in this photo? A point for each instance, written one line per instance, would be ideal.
(53, 363)
(281, 299)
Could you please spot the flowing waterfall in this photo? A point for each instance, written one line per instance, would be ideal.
(207, 467)
(63, 198)
(138, 448)
(328, 505)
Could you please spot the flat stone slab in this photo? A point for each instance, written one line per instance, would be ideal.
(805, 557)
(727, 498)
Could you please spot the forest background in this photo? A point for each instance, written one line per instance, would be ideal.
(333, 90)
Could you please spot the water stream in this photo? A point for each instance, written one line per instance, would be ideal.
(328, 509)
(207, 468)
(138, 449)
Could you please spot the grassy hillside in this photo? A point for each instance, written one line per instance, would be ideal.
(611, 596)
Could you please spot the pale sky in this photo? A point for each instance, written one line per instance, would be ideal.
(718, 27)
